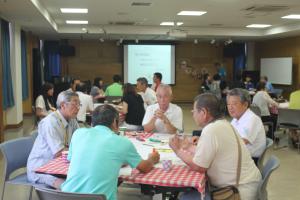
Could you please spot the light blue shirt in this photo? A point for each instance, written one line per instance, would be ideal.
(50, 140)
(269, 87)
(96, 156)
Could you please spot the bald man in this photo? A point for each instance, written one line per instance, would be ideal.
(163, 117)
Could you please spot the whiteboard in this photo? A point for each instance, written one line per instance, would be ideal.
(278, 70)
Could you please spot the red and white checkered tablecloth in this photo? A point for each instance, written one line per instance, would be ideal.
(57, 166)
(178, 176)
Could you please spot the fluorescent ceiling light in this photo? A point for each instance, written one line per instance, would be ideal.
(76, 22)
(171, 23)
(258, 26)
(191, 13)
(74, 10)
(291, 17)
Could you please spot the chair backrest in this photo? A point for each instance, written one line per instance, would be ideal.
(272, 164)
(49, 194)
(269, 143)
(288, 118)
(15, 153)
(255, 109)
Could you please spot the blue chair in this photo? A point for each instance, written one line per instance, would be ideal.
(272, 164)
(260, 162)
(15, 154)
(49, 194)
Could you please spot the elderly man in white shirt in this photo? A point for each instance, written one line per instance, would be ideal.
(163, 117)
(248, 124)
(148, 95)
(86, 102)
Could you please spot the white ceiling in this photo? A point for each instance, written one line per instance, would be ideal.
(224, 18)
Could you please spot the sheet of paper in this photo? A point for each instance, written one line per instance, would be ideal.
(125, 171)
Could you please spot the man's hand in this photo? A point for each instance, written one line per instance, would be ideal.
(160, 115)
(174, 143)
(154, 157)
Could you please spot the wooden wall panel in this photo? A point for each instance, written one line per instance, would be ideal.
(94, 58)
(286, 47)
(31, 42)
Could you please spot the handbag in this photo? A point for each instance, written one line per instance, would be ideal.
(230, 192)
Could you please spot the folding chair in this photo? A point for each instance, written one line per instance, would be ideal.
(49, 194)
(15, 154)
(269, 143)
(272, 164)
(287, 119)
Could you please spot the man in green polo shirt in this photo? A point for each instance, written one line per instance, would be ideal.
(115, 89)
(97, 154)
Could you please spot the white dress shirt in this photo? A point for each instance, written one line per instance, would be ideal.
(250, 127)
(86, 104)
(173, 113)
(149, 97)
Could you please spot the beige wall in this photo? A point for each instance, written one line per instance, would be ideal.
(94, 58)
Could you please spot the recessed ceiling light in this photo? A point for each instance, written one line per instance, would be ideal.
(291, 17)
(171, 23)
(258, 26)
(76, 22)
(74, 10)
(191, 13)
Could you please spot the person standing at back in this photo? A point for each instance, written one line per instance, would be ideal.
(157, 77)
(115, 89)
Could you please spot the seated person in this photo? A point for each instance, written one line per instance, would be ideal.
(163, 117)
(44, 103)
(207, 81)
(216, 152)
(97, 91)
(294, 103)
(133, 108)
(157, 77)
(74, 82)
(148, 95)
(247, 123)
(263, 100)
(54, 134)
(248, 83)
(86, 102)
(103, 153)
(269, 86)
(115, 89)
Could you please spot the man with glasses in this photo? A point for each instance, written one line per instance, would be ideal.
(54, 134)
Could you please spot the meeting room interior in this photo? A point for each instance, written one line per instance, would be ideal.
(150, 99)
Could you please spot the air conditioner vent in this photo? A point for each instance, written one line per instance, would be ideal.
(141, 4)
(267, 8)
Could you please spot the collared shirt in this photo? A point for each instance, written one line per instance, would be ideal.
(50, 140)
(263, 100)
(269, 87)
(250, 127)
(114, 89)
(217, 150)
(173, 113)
(155, 86)
(103, 154)
(86, 104)
(149, 97)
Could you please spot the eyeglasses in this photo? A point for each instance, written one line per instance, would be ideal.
(78, 105)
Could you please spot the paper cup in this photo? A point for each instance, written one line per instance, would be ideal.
(122, 130)
(167, 165)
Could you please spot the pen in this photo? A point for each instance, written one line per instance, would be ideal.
(154, 140)
(148, 145)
